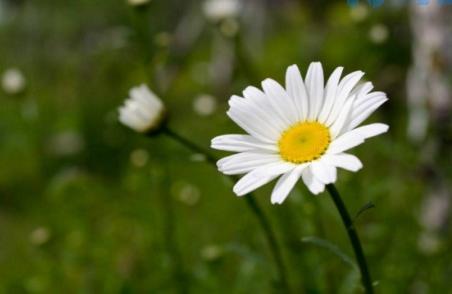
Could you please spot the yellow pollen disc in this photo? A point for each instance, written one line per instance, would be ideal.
(303, 142)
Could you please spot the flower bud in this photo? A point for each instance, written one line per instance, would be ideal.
(143, 112)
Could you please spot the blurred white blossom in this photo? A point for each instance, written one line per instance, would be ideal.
(205, 105)
(378, 34)
(217, 10)
(428, 243)
(138, 2)
(66, 143)
(359, 12)
(139, 157)
(435, 211)
(198, 157)
(211, 252)
(13, 81)
(39, 236)
(187, 193)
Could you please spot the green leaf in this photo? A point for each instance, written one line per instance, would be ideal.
(330, 247)
(365, 207)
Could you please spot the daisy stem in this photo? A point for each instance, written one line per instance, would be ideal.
(252, 204)
(353, 236)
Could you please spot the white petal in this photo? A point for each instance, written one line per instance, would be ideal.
(285, 184)
(361, 114)
(251, 182)
(261, 176)
(344, 160)
(132, 120)
(315, 87)
(244, 162)
(297, 91)
(355, 137)
(325, 172)
(257, 117)
(362, 90)
(281, 102)
(343, 118)
(262, 105)
(313, 184)
(241, 143)
(367, 102)
(251, 126)
(343, 92)
(330, 93)
(349, 82)
(345, 142)
(371, 130)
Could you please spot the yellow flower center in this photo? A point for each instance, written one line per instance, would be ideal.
(304, 141)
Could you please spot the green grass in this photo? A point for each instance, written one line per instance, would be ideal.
(88, 220)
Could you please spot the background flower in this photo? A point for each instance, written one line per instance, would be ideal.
(13, 81)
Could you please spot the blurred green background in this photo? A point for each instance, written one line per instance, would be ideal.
(88, 206)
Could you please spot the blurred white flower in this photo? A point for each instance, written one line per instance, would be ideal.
(378, 34)
(187, 193)
(301, 131)
(428, 243)
(204, 105)
(217, 10)
(435, 211)
(359, 12)
(198, 157)
(211, 252)
(13, 81)
(139, 157)
(138, 2)
(143, 111)
(39, 236)
(66, 143)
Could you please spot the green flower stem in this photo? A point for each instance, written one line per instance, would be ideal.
(353, 236)
(252, 204)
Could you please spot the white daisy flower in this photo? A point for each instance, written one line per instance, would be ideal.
(302, 131)
(143, 112)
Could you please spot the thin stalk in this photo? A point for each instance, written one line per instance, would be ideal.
(271, 239)
(354, 239)
(252, 204)
(179, 273)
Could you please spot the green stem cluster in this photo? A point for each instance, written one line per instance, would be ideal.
(270, 235)
(252, 204)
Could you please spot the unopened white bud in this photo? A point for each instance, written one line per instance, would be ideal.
(143, 111)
